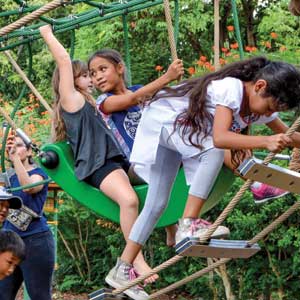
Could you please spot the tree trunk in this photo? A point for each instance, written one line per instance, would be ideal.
(248, 9)
(225, 11)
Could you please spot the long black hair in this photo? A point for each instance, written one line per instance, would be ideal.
(283, 84)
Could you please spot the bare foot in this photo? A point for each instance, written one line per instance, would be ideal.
(171, 232)
(143, 268)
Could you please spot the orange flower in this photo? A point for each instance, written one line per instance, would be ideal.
(234, 46)
(222, 61)
(223, 49)
(254, 49)
(212, 68)
(248, 48)
(268, 44)
(207, 65)
(191, 70)
(158, 68)
(274, 35)
(230, 28)
(199, 63)
(203, 58)
(282, 48)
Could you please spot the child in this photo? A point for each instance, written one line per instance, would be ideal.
(8, 201)
(12, 252)
(98, 159)
(31, 225)
(208, 113)
(123, 113)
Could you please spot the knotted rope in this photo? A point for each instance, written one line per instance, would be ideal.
(34, 15)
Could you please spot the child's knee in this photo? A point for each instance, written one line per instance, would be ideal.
(157, 210)
(130, 202)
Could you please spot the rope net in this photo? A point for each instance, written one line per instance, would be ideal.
(14, 34)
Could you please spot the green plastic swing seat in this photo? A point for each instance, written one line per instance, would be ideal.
(95, 200)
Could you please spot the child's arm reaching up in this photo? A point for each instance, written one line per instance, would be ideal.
(122, 102)
(226, 139)
(71, 100)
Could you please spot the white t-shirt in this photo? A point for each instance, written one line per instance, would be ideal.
(163, 112)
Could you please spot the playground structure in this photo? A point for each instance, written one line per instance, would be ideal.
(63, 165)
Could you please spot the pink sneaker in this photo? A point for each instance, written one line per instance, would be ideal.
(266, 192)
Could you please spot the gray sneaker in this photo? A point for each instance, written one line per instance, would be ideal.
(119, 276)
(189, 227)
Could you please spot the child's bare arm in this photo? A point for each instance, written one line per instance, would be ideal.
(121, 102)
(71, 100)
(224, 138)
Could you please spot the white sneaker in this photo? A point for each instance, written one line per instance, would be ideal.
(189, 227)
(119, 276)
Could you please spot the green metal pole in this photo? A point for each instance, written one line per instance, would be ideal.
(127, 52)
(72, 48)
(237, 28)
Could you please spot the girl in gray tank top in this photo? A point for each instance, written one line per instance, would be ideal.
(98, 159)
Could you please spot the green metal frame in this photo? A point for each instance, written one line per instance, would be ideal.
(95, 200)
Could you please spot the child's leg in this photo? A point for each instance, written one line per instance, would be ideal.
(162, 177)
(171, 233)
(124, 195)
(128, 201)
(190, 226)
(208, 169)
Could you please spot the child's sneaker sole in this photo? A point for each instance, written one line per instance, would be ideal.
(271, 198)
(128, 292)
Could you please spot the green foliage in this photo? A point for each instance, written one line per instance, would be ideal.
(92, 249)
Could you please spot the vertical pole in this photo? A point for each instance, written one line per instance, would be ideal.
(176, 22)
(127, 53)
(55, 219)
(237, 28)
(217, 34)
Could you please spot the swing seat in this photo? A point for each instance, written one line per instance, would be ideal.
(106, 294)
(63, 174)
(216, 248)
(271, 174)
